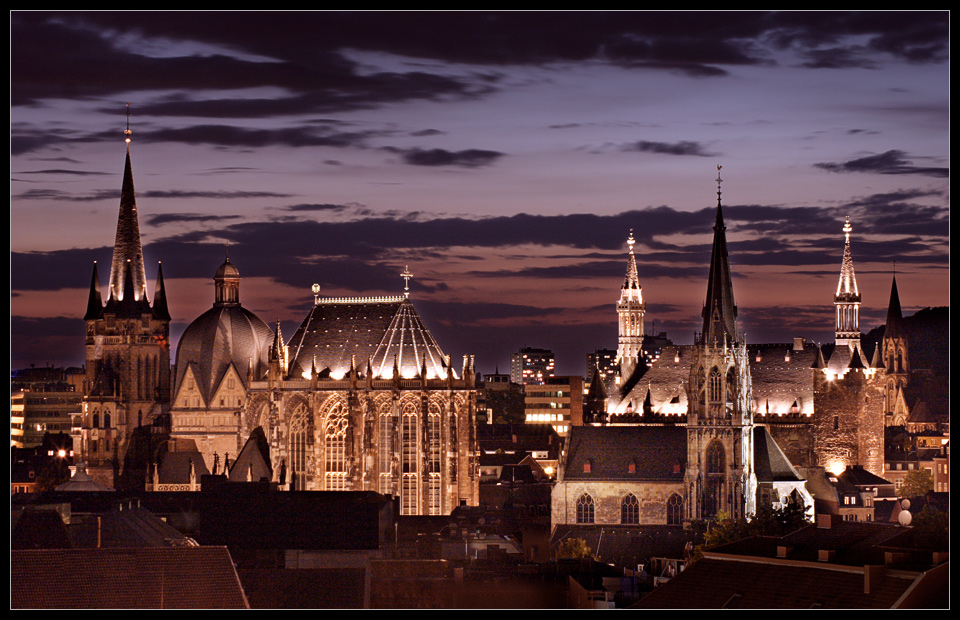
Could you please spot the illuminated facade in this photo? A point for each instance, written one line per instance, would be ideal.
(363, 399)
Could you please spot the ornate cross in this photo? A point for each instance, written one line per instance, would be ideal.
(406, 275)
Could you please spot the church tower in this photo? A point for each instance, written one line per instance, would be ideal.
(894, 357)
(630, 310)
(719, 475)
(127, 353)
(847, 299)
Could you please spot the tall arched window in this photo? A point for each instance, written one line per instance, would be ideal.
(106, 419)
(585, 509)
(716, 474)
(409, 456)
(730, 392)
(95, 423)
(301, 447)
(387, 449)
(433, 462)
(675, 509)
(629, 510)
(714, 392)
(335, 451)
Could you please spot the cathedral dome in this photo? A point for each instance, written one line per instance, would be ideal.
(226, 334)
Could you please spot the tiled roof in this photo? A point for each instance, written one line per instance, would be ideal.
(152, 578)
(652, 452)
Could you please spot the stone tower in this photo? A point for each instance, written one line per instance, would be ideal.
(847, 299)
(630, 310)
(719, 476)
(127, 353)
(894, 358)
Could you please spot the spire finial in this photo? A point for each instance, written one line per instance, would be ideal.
(719, 181)
(847, 229)
(406, 275)
(127, 131)
(316, 293)
(631, 241)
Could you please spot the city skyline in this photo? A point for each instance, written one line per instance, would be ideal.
(502, 157)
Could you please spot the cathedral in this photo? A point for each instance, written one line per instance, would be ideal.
(722, 426)
(361, 398)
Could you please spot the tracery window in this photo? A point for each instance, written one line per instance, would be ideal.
(335, 451)
(585, 509)
(714, 392)
(675, 509)
(386, 452)
(301, 446)
(716, 474)
(409, 456)
(629, 510)
(433, 462)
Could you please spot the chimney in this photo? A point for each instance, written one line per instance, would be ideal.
(799, 343)
(872, 576)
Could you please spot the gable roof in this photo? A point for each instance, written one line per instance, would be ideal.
(769, 462)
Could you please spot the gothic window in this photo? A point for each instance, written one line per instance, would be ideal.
(716, 473)
(714, 392)
(335, 451)
(629, 510)
(675, 509)
(387, 451)
(409, 457)
(585, 509)
(731, 391)
(96, 420)
(433, 462)
(301, 446)
(106, 419)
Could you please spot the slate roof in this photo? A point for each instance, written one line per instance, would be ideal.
(666, 381)
(221, 336)
(658, 453)
(629, 545)
(337, 333)
(769, 462)
(715, 582)
(152, 578)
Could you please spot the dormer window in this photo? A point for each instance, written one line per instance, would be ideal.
(586, 466)
(632, 467)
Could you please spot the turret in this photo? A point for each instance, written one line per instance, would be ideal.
(630, 310)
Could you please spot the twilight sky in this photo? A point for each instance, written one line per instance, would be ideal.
(503, 156)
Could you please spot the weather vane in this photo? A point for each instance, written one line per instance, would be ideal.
(406, 275)
(719, 181)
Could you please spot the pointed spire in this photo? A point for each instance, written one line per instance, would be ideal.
(719, 310)
(847, 299)
(894, 325)
(94, 301)
(631, 282)
(127, 245)
(160, 310)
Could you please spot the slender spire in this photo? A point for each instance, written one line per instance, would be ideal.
(631, 282)
(160, 310)
(127, 246)
(894, 325)
(631, 310)
(95, 301)
(719, 310)
(847, 299)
